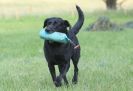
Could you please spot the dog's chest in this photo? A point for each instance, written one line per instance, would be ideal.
(56, 49)
(58, 54)
(59, 58)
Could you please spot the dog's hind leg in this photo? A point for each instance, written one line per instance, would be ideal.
(75, 77)
(75, 60)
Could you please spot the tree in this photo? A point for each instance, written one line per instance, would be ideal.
(111, 4)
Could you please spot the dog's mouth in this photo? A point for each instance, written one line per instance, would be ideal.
(49, 31)
(52, 31)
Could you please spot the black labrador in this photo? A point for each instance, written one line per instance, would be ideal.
(60, 54)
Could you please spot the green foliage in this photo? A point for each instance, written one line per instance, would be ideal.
(106, 62)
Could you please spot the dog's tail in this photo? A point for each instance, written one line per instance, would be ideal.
(75, 29)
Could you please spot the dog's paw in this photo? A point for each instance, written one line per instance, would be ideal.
(58, 82)
(74, 80)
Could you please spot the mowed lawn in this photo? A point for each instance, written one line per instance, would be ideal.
(106, 62)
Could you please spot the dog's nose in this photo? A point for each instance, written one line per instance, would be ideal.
(47, 30)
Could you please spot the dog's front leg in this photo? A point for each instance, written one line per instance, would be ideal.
(52, 71)
(63, 72)
(64, 77)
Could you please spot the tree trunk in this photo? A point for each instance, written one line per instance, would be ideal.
(111, 4)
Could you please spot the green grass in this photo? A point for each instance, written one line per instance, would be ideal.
(106, 62)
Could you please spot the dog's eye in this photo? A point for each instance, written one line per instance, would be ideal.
(61, 24)
(55, 22)
(48, 23)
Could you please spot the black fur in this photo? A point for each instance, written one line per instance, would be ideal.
(61, 54)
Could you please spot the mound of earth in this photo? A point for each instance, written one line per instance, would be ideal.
(103, 23)
(129, 24)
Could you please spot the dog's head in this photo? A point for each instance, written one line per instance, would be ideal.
(56, 25)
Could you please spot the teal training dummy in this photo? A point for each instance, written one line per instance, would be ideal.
(55, 36)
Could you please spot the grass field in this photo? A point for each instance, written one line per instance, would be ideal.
(106, 62)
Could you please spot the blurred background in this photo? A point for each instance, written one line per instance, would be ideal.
(18, 8)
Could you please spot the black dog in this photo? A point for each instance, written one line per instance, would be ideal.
(60, 54)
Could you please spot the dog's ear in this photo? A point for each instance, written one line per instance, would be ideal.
(67, 24)
(45, 22)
